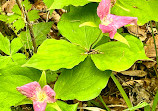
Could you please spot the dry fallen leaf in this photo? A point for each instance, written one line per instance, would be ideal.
(138, 73)
(139, 31)
(7, 6)
(150, 48)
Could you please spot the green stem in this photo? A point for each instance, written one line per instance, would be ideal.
(155, 102)
(101, 99)
(128, 102)
(154, 41)
(155, 46)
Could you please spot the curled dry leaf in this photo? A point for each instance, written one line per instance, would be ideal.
(150, 48)
(91, 108)
(132, 82)
(149, 64)
(138, 73)
(139, 31)
(7, 6)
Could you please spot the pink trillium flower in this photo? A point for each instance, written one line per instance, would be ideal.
(109, 22)
(39, 96)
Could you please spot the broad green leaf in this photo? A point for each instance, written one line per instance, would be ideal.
(4, 44)
(40, 31)
(55, 54)
(69, 25)
(43, 80)
(4, 61)
(102, 40)
(13, 69)
(33, 15)
(143, 9)
(58, 4)
(61, 106)
(118, 56)
(19, 58)
(83, 82)
(91, 24)
(141, 105)
(120, 38)
(51, 76)
(94, 0)
(16, 44)
(9, 95)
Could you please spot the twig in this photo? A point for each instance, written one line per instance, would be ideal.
(29, 25)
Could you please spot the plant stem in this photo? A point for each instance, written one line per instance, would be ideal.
(29, 24)
(155, 46)
(101, 99)
(128, 102)
(155, 102)
(154, 41)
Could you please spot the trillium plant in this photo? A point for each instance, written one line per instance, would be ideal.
(76, 67)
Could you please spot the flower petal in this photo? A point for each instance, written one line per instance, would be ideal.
(120, 21)
(29, 89)
(50, 93)
(39, 106)
(108, 29)
(103, 8)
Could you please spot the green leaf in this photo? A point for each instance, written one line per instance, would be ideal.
(4, 44)
(118, 56)
(16, 44)
(13, 69)
(18, 58)
(40, 31)
(94, 0)
(141, 105)
(16, 10)
(91, 24)
(48, 3)
(83, 82)
(12, 18)
(135, 8)
(120, 38)
(61, 106)
(4, 61)
(51, 76)
(33, 15)
(58, 4)
(3, 17)
(69, 25)
(55, 54)
(19, 24)
(9, 95)
(26, 4)
(43, 80)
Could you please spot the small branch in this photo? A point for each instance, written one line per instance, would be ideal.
(29, 24)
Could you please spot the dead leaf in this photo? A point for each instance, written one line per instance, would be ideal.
(138, 73)
(150, 48)
(91, 108)
(139, 31)
(7, 6)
